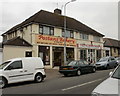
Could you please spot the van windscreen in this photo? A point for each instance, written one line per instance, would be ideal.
(4, 64)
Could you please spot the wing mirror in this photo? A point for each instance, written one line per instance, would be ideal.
(110, 74)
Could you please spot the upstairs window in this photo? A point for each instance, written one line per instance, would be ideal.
(84, 36)
(96, 38)
(69, 34)
(45, 30)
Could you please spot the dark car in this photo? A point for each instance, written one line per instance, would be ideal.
(77, 67)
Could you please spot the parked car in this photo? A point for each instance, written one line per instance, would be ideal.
(118, 60)
(110, 86)
(77, 67)
(106, 63)
(21, 69)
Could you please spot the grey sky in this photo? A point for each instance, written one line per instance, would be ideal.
(101, 15)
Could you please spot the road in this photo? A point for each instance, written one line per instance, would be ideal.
(56, 83)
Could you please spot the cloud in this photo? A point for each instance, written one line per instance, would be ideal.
(101, 16)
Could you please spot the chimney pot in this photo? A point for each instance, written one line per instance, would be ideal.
(57, 11)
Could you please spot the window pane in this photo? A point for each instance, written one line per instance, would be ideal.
(41, 30)
(67, 33)
(16, 65)
(71, 35)
(52, 31)
(46, 30)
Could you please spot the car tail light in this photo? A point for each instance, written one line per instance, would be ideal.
(70, 68)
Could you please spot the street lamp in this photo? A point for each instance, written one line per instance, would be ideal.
(65, 30)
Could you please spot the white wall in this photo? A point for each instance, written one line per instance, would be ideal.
(10, 52)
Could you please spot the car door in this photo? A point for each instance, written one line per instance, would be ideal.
(111, 62)
(82, 66)
(14, 72)
(88, 66)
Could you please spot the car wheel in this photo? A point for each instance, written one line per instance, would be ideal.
(93, 70)
(78, 73)
(38, 78)
(107, 67)
(3, 83)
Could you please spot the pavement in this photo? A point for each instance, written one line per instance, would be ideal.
(52, 73)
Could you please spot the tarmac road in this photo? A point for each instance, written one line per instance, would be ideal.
(55, 83)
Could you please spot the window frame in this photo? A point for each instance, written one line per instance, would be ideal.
(7, 68)
(71, 33)
(84, 36)
(50, 30)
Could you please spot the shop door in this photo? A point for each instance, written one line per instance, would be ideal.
(91, 55)
(57, 58)
(83, 54)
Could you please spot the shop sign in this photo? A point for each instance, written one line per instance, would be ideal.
(89, 46)
(52, 40)
(106, 48)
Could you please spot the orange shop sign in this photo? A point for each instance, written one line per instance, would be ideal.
(52, 40)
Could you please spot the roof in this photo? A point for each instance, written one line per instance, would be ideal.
(111, 42)
(17, 41)
(53, 19)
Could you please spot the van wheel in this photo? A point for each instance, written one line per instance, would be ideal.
(38, 78)
(3, 83)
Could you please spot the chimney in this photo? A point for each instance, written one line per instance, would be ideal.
(57, 11)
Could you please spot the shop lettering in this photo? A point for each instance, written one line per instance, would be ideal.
(52, 40)
(41, 37)
(89, 46)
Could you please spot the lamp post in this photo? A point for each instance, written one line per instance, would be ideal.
(65, 29)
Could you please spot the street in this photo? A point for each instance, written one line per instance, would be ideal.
(55, 83)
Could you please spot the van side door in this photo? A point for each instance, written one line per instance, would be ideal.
(14, 72)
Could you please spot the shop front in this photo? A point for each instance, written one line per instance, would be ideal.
(90, 53)
(51, 49)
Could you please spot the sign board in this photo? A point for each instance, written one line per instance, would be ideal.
(88, 46)
(52, 40)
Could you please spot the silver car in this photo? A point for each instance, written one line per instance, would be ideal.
(118, 60)
(106, 63)
(109, 87)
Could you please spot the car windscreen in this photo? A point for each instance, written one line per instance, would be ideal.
(72, 63)
(103, 59)
(116, 74)
(4, 64)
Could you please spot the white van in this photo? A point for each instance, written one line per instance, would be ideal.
(21, 69)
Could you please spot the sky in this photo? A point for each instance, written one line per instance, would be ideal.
(100, 15)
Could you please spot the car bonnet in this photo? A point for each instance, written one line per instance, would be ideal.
(109, 86)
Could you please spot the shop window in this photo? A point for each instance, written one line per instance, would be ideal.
(98, 54)
(114, 50)
(107, 53)
(83, 54)
(44, 53)
(45, 30)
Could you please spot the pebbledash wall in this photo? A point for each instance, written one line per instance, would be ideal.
(50, 47)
